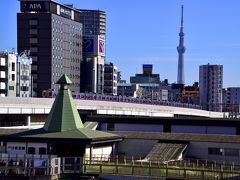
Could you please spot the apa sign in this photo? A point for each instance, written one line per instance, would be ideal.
(35, 6)
(27, 6)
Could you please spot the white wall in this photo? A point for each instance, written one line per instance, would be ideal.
(16, 147)
(21, 147)
(102, 151)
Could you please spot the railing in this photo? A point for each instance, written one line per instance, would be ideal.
(187, 169)
(118, 166)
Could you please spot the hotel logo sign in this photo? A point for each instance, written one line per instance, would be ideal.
(65, 12)
(35, 6)
(28, 6)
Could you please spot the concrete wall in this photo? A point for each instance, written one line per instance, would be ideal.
(200, 150)
(135, 147)
(139, 127)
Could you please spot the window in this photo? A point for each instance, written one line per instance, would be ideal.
(33, 31)
(110, 126)
(31, 150)
(33, 40)
(13, 66)
(215, 151)
(33, 22)
(11, 88)
(24, 88)
(13, 77)
(231, 152)
(42, 150)
(167, 128)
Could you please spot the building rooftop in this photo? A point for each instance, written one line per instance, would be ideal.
(180, 137)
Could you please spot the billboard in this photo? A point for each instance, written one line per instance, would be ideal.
(147, 69)
(94, 45)
(101, 46)
(88, 45)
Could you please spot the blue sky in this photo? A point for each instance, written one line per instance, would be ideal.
(146, 31)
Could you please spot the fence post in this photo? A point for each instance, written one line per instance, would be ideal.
(167, 169)
(221, 171)
(202, 171)
(149, 169)
(63, 164)
(100, 168)
(84, 164)
(132, 168)
(116, 164)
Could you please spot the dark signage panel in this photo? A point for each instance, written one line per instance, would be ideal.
(39, 6)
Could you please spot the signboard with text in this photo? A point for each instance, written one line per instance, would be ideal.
(94, 45)
(34, 6)
(64, 12)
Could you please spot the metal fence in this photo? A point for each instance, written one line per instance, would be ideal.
(116, 165)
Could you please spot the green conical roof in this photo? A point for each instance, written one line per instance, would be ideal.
(63, 115)
(64, 79)
(64, 122)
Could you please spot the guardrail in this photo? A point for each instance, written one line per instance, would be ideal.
(117, 166)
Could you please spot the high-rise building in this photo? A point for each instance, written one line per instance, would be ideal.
(94, 22)
(210, 86)
(110, 79)
(94, 38)
(53, 34)
(181, 49)
(8, 71)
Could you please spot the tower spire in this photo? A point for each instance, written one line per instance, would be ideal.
(182, 17)
(181, 49)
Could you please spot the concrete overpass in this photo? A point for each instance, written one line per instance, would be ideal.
(17, 105)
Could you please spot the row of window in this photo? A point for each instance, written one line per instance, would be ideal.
(30, 150)
(223, 151)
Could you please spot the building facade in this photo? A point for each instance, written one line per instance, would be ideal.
(94, 45)
(147, 77)
(53, 34)
(110, 79)
(210, 87)
(8, 72)
(24, 77)
(231, 100)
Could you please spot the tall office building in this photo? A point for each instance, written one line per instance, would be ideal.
(94, 38)
(181, 49)
(53, 34)
(210, 85)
